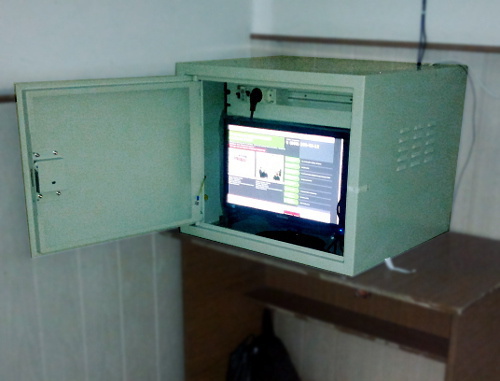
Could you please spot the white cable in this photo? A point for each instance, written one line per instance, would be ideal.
(391, 267)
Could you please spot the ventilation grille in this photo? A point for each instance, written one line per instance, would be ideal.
(416, 146)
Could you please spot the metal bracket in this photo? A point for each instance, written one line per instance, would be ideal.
(49, 175)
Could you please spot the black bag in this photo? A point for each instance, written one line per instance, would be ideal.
(261, 358)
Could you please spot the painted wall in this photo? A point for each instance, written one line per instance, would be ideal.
(448, 21)
(53, 39)
(111, 311)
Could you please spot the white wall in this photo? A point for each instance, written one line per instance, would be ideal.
(53, 39)
(448, 21)
(111, 311)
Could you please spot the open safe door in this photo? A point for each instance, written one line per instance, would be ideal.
(107, 159)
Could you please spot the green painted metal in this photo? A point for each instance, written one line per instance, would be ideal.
(139, 155)
(333, 109)
(405, 128)
(108, 159)
(407, 145)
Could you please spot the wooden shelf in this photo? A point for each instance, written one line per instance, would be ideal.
(423, 342)
(10, 98)
(378, 43)
(448, 309)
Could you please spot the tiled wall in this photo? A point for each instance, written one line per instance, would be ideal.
(102, 313)
(320, 351)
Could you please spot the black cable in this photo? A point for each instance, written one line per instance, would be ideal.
(422, 43)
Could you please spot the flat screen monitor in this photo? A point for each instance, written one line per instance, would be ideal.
(294, 172)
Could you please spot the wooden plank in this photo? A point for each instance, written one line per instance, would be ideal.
(428, 344)
(7, 98)
(217, 315)
(366, 301)
(378, 43)
(452, 271)
(475, 343)
(447, 309)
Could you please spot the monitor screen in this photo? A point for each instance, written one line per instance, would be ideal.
(289, 170)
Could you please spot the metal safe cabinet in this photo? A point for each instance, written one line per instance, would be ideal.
(106, 159)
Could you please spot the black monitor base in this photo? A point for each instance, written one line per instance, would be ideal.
(295, 238)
